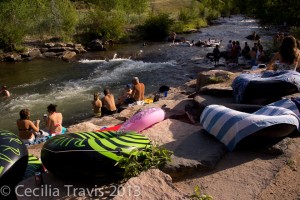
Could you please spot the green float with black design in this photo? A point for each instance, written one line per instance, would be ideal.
(90, 155)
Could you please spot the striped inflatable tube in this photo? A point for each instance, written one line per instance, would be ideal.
(90, 154)
(231, 126)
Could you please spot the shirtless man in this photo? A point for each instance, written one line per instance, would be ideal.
(97, 104)
(108, 102)
(138, 90)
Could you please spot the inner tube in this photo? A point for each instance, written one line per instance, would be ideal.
(265, 92)
(143, 120)
(13, 158)
(90, 155)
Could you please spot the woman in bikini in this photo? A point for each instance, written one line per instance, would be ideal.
(288, 56)
(27, 128)
(54, 120)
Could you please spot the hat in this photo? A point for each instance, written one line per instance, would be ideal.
(135, 78)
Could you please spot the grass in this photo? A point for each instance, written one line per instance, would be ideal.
(171, 6)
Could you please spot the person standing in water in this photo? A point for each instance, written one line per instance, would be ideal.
(97, 104)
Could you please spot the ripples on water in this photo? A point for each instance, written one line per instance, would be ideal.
(36, 84)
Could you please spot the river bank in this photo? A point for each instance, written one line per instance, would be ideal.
(198, 161)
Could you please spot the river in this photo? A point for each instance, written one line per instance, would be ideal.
(38, 83)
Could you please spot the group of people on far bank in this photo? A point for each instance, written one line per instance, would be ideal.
(234, 50)
(134, 93)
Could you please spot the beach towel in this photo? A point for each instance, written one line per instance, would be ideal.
(230, 126)
(241, 82)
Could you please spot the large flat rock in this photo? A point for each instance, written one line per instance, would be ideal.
(193, 149)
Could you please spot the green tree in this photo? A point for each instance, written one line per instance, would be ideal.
(105, 25)
(13, 23)
(156, 27)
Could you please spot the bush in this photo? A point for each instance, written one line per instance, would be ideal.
(156, 27)
(139, 161)
(103, 25)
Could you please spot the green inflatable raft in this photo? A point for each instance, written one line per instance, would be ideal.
(90, 155)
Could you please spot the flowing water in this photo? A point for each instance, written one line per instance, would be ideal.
(38, 83)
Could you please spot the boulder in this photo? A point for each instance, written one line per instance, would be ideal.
(59, 49)
(49, 45)
(96, 45)
(50, 54)
(193, 148)
(79, 49)
(213, 77)
(35, 52)
(68, 55)
(217, 90)
(153, 185)
(12, 57)
(43, 50)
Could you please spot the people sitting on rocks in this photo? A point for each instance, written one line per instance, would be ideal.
(125, 96)
(288, 57)
(54, 121)
(4, 92)
(108, 103)
(97, 104)
(29, 131)
(138, 90)
(26, 127)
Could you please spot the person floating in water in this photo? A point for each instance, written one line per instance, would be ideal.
(4, 92)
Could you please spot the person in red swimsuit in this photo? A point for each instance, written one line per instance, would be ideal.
(54, 121)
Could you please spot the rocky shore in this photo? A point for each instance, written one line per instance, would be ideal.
(265, 170)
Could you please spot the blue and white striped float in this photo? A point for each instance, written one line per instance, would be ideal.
(230, 126)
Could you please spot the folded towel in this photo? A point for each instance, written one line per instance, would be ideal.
(230, 126)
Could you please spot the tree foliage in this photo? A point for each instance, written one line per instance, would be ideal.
(109, 19)
(19, 18)
(156, 27)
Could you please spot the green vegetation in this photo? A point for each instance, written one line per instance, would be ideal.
(199, 196)
(156, 27)
(83, 20)
(139, 161)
